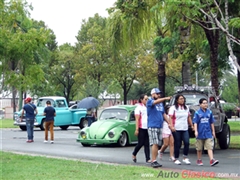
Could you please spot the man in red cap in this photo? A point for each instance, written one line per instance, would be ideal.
(30, 113)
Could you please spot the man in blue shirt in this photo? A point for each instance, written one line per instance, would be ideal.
(204, 131)
(49, 112)
(31, 112)
(156, 115)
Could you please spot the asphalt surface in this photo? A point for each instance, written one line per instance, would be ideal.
(65, 146)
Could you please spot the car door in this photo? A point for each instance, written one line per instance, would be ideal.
(63, 114)
(214, 107)
(132, 127)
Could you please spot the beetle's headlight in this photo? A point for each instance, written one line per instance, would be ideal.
(83, 134)
(111, 134)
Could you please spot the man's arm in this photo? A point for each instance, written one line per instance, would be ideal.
(161, 100)
(213, 130)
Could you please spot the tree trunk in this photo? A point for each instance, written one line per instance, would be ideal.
(186, 74)
(162, 74)
(213, 40)
(125, 93)
(184, 42)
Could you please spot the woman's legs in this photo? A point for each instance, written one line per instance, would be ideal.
(177, 143)
(146, 145)
(185, 138)
(171, 146)
(140, 143)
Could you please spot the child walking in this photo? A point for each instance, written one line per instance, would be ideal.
(167, 138)
(204, 131)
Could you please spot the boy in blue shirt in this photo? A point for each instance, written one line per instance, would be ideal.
(204, 131)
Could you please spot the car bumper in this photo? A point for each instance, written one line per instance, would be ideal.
(16, 123)
(97, 141)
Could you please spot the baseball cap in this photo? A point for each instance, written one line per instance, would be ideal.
(155, 90)
(28, 99)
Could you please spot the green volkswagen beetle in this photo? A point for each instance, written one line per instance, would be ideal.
(115, 125)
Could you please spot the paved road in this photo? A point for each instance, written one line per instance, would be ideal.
(66, 146)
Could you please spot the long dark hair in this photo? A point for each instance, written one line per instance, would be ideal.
(176, 103)
(141, 98)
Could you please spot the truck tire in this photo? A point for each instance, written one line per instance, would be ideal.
(224, 137)
(42, 126)
(23, 128)
(83, 123)
(64, 127)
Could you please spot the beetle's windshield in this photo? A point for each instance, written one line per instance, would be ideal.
(121, 114)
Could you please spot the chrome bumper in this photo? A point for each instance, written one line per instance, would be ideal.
(17, 123)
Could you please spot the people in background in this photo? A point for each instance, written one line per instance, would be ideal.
(50, 113)
(141, 129)
(30, 112)
(181, 118)
(204, 131)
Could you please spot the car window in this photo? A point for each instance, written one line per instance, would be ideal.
(132, 116)
(61, 103)
(114, 114)
(42, 102)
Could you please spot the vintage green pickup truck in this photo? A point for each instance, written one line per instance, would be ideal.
(65, 116)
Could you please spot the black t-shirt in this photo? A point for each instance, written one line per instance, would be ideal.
(49, 110)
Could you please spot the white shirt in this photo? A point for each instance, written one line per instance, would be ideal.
(179, 117)
(141, 110)
(166, 129)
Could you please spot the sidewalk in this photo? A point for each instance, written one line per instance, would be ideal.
(234, 118)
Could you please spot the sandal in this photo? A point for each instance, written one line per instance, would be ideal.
(134, 159)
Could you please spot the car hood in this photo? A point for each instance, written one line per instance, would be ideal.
(99, 129)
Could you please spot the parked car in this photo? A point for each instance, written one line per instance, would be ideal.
(231, 109)
(192, 95)
(115, 125)
(65, 116)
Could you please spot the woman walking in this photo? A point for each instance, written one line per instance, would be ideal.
(167, 137)
(181, 118)
(141, 129)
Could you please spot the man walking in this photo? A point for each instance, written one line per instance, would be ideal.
(156, 115)
(30, 113)
(49, 112)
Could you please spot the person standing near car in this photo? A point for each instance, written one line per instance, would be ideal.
(181, 118)
(30, 112)
(204, 131)
(49, 112)
(141, 129)
(156, 115)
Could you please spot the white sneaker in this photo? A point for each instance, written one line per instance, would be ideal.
(52, 142)
(186, 161)
(45, 141)
(172, 159)
(177, 162)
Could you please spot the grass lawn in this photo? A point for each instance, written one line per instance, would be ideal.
(7, 123)
(25, 167)
(234, 126)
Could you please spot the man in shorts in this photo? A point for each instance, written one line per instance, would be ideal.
(156, 115)
(204, 131)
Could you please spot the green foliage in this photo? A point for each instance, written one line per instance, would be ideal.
(230, 88)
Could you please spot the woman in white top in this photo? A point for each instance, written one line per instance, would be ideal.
(181, 118)
(141, 129)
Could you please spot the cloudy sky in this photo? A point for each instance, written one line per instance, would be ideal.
(64, 17)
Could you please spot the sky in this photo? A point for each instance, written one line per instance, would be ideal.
(64, 17)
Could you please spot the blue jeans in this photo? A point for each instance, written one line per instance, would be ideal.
(180, 136)
(30, 126)
(90, 119)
